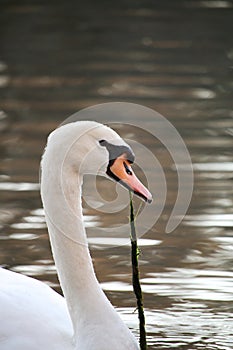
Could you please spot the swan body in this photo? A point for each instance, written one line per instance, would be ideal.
(33, 316)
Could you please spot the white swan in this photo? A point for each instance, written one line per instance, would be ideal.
(32, 315)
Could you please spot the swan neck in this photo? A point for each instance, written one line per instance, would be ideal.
(63, 210)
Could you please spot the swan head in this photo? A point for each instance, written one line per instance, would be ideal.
(88, 147)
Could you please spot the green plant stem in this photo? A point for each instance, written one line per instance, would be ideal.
(135, 277)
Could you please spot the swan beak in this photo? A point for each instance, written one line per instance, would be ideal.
(121, 171)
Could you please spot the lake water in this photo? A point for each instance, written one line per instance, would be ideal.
(174, 57)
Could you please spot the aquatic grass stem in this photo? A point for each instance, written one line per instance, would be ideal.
(135, 276)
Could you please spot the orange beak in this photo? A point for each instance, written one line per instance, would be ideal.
(122, 172)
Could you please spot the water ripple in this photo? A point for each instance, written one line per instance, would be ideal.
(191, 284)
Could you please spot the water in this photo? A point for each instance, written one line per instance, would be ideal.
(173, 57)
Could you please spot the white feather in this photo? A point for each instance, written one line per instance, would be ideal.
(33, 316)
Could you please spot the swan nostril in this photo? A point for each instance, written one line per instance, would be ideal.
(127, 169)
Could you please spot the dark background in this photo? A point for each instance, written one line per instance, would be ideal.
(58, 56)
(176, 57)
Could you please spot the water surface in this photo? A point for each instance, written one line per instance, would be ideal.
(175, 57)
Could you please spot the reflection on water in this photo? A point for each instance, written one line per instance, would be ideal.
(174, 60)
(210, 4)
(18, 186)
(190, 334)
(226, 166)
(191, 284)
(224, 220)
(114, 241)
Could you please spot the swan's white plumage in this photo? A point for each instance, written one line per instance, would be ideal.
(33, 316)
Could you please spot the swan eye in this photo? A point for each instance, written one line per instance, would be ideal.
(127, 169)
(102, 142)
